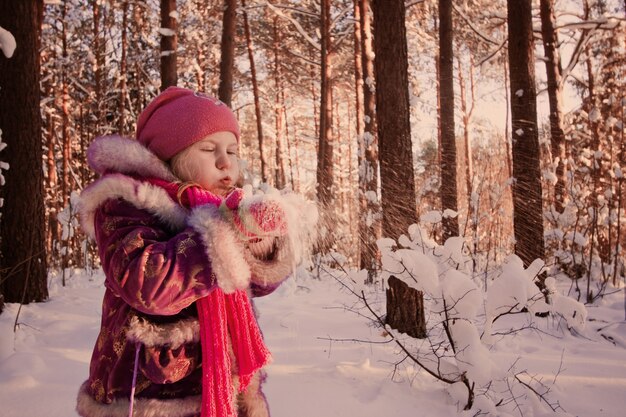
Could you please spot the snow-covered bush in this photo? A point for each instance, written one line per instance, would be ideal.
(461, 316)
(585, 229)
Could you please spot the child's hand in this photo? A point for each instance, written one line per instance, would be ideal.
(255, 217)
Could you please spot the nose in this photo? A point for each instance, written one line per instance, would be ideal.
(222, 161)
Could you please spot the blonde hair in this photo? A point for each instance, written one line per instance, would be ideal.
(181, 168)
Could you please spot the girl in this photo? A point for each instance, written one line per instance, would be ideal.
(182, 250)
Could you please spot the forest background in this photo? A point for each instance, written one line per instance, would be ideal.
(386, 114)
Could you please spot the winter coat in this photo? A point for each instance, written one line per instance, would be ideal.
(158, 259)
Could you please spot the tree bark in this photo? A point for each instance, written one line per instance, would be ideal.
(527, 190)
(393, 118)
(449, 192)
(123, 72)
(553, 72)
(358, 67)
(225, 91)
(255, 92)
(325, 150)
(369, 219)
(279, 113)
(98, 51)
(405, 309)
(22, 262)
(66, 184)
(169, 75)
(325, 169)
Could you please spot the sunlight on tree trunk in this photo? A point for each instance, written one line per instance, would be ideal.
(169, 72)
(555, 97)
(370, 214)
(255, 92)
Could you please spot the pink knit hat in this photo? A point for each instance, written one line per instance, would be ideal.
(178, 118)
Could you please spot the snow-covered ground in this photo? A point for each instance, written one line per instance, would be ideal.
(313, 373)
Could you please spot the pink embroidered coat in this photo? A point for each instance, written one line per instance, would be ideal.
(159, 259)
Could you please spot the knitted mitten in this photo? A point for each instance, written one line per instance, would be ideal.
(255, 217)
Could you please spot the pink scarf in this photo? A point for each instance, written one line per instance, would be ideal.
(221, 315)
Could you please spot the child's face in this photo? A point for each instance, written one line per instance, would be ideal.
(212, 163)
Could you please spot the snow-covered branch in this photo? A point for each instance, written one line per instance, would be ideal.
(314, 43)
(7, 42)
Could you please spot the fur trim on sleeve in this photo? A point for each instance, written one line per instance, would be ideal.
(273, 271)
(224, 250)
(87, 406)
(173, 335)
(140, 194)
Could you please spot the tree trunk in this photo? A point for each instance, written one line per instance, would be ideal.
(405, 309)
(554, 71)
(98, 51)
(53, 223)
(369, 219)
(279, 113)
(121, 124)
(358, 68)
(23, 266)
(393, 118)
(287, 136)
(507, 141)
(225, 91)
(396, 156)
(255, 92)
(527, 195)
(449, 193)
(169, 75)
(66, 185)
(325, 150)
(466, 113)
(467, 110)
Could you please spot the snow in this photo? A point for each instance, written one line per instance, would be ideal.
(471, 356)
(433, 216)
(449, 213)
(166, 32)
(314, 373)
(371, 196)
(461, 294)
(7, 42)
(594, 115)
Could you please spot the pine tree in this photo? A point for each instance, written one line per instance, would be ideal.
(22, 252)
(449, 194)
(527, 196)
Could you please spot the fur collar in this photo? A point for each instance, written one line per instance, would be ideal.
(118, 159)
(126, 156)
(141, 194)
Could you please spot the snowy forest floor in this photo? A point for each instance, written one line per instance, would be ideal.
(314, 373)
